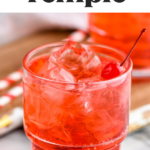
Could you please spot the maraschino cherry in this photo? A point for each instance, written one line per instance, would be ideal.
(114, 69)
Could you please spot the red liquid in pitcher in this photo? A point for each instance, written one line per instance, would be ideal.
(120, 30)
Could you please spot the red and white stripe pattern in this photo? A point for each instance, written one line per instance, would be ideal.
(10, 79)
(77, 36)
(16, 91)
(11, 95)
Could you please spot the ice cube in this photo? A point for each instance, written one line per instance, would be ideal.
(39, 67)
(54, 96)
(80, 107)
(72, 57)
(82, 63)
(49, 115)
(60, 74)
(98, 123)
(94, 61)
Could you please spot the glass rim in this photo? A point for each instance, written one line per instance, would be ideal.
(33, 51)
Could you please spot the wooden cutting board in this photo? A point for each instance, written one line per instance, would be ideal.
(11, 56)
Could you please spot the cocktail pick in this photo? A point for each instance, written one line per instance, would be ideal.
(114, 69)
(133, 47)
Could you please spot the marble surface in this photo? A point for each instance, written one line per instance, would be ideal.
(17, 140)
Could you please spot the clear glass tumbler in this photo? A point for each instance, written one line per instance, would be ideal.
(70, 116)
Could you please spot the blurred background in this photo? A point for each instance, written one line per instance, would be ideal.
(19, 33)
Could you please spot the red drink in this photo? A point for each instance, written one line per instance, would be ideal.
(67, 105)
(120, 30)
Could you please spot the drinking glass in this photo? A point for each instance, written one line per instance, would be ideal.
(74, 116)
(120, 30)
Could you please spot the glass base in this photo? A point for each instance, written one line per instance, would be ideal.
(35, 147)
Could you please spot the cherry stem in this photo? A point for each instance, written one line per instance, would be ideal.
(133, 46)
